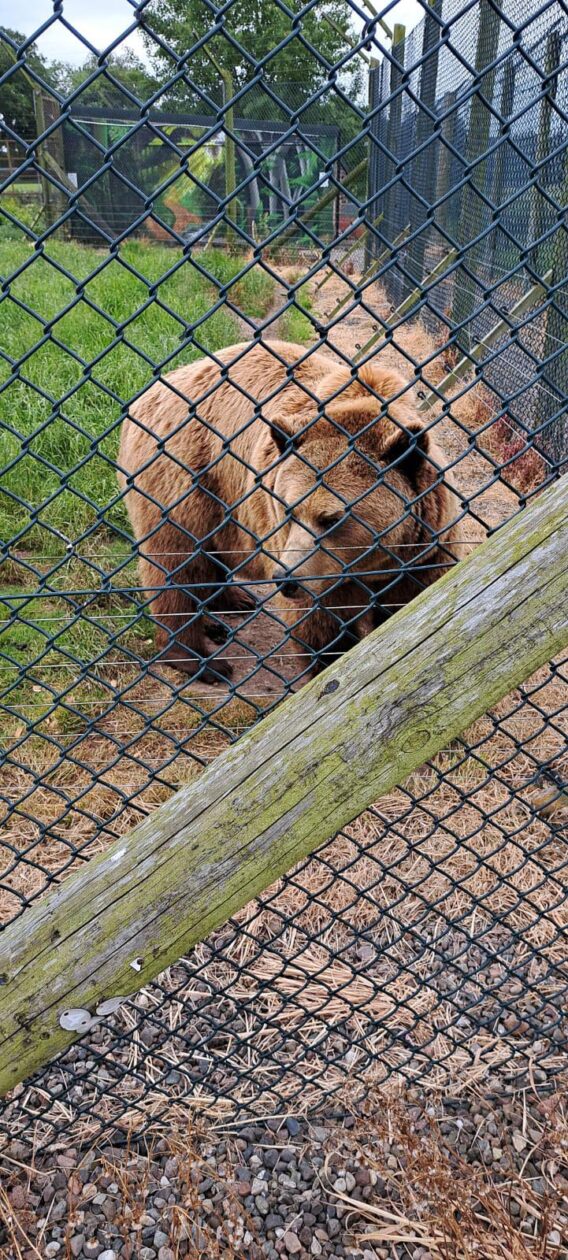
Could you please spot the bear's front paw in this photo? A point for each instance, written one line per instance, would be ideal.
(217, 631)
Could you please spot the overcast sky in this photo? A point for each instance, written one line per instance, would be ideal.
(102, 21)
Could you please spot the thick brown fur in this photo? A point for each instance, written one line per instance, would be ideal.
(215, 457)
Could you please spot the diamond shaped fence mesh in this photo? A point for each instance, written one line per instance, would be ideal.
(284, 335)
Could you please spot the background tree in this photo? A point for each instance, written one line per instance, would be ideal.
(16, 93)
(257, 27)
(123, 68)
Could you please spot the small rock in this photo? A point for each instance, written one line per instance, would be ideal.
(18, 1197)
(161, 1239)
(292, 1126)
(291, 1241)
(108, 1255)
(166, 1253)
(92, 1248)
(340, 1186)
(76, 1244)
(554, 1238)
(53, 1248)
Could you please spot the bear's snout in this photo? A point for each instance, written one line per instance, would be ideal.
(287, 585)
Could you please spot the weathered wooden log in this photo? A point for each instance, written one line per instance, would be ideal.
(304, 772)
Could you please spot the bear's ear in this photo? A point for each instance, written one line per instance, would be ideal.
(407, 449)
(284, 440)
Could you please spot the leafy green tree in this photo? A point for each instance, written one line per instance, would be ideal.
(253, 29)
(16, 93)
(123, 68)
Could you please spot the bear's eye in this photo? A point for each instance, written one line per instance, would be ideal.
(330, 519)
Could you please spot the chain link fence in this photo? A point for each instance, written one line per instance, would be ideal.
(385, 205)
(469, 156)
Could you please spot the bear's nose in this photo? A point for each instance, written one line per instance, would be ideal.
(286, 585)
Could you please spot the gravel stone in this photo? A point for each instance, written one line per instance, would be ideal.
(292, 1243)
(273, 1194)
(92, 1248)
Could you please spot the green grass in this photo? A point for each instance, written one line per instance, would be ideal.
(295, 325)
(76, 369)
(60, 414)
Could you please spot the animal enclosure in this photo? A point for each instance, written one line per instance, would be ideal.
(376, 222)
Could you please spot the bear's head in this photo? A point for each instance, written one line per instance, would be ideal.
(359, 484)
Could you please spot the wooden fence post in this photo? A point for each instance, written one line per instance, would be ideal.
(307, 770)
(506, 104)
(50, 156)
(553, 53)
(472, 207)
(444, 216)
(394, 127)
(424, 166)
(375, 159)
(553, 440)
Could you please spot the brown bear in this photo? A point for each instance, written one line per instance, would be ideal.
(271, 464)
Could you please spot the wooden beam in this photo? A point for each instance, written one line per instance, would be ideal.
(357, 242)
(409, 302)
(366, 279)
(308, 769)
(500, 329)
